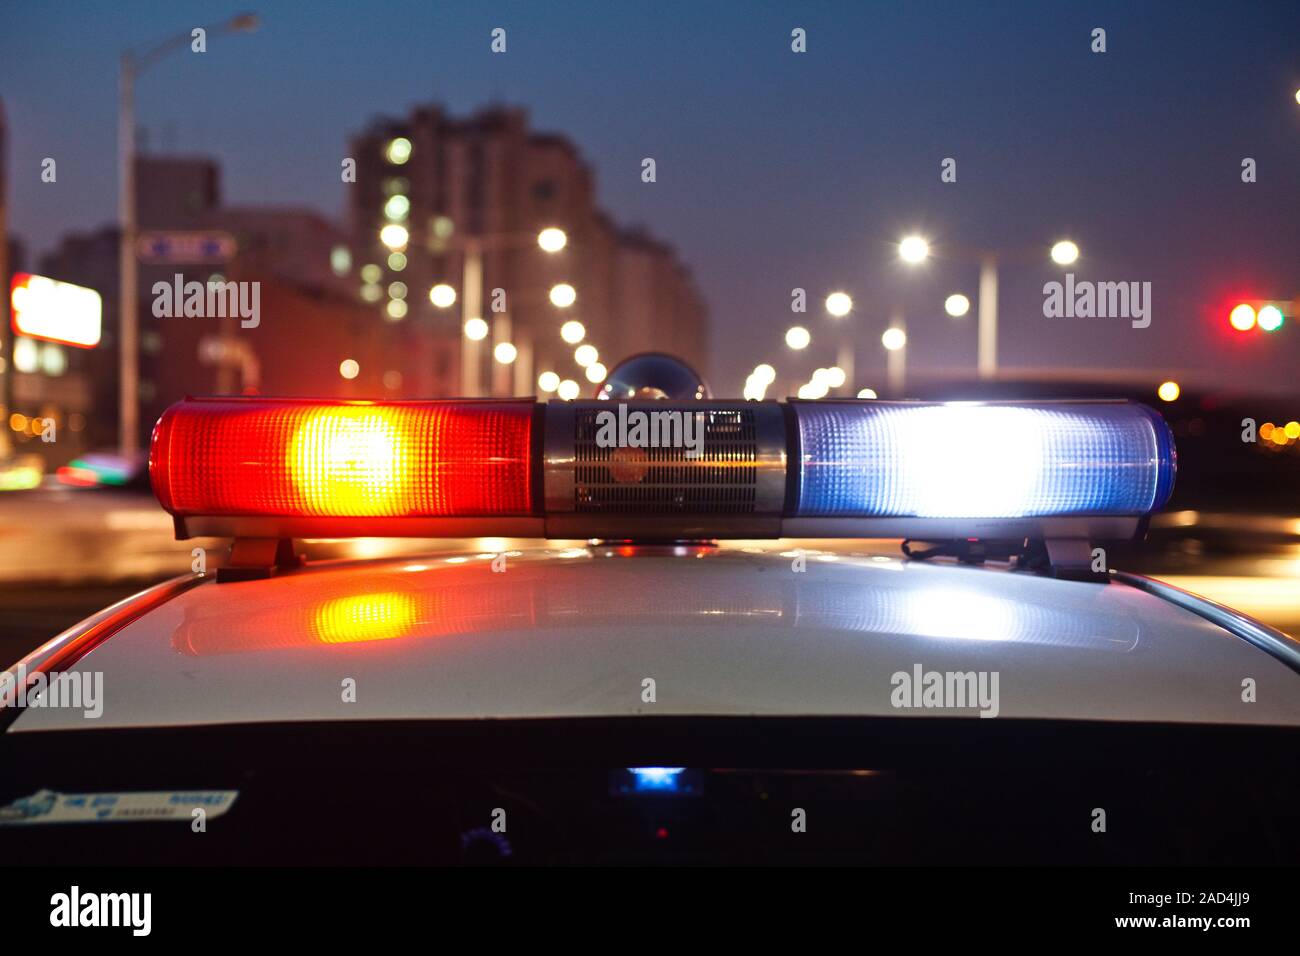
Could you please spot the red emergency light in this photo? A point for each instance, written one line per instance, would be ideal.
(330, 460)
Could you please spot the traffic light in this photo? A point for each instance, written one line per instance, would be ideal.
(1267, 316)
(1270, 318)
(1242, 317)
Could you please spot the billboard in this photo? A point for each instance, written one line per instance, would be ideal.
(45, 308)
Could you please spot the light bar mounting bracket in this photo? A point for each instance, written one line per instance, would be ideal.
(252, 559)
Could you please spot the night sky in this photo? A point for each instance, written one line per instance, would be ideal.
(775, 170)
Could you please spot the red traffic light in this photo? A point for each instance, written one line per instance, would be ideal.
(1242, 317)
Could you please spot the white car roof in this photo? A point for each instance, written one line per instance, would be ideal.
(574, 632)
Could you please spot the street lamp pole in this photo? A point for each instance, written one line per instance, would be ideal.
(128, 333)
(471, 360)
(128, 422)
(988, 316)
(839, 305)
(844, 356)
(896, 359)
(6, 337)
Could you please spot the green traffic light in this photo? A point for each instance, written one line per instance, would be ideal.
(1270, 318)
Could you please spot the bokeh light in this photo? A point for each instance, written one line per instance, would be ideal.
(913, 250)
(563, 295)
(1065, 253)
(839, 304)
(442, 295)
(552, 239)
(1242, 317)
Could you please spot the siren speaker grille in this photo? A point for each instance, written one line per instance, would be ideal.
(723, 479)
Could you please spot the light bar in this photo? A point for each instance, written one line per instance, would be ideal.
(966, 460)
(276, 469)
(333, 459)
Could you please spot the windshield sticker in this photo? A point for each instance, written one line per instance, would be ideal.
(47, 806)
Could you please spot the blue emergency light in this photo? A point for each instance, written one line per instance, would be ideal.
(966, 460)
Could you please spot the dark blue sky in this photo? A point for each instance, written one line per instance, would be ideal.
(775, 170)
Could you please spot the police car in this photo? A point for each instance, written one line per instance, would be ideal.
(632, 646)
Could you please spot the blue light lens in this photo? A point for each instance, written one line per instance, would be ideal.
(658, 779)
(970, 460)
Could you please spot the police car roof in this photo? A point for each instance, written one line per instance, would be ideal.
(732, 630)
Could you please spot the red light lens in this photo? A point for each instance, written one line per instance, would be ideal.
(282, 457)
(1242, 317)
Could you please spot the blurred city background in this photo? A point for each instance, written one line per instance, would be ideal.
(524, 169)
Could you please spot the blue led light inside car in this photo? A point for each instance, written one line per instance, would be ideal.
(655, 779)
(961, 459)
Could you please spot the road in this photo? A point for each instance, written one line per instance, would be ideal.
(65, 554)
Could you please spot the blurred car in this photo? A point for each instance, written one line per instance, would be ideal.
(106, 469)
(21, 472)
(731, 667)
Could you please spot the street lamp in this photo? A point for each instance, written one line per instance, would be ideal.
(443, 296)
(552, 239)
(894, 339)
(839, 304)
(956, 305)
(1065, 253)
(130, 67)
(573, 332)
(814, 389)
(913, 250)
(563, 295)
(395, 237)
(399, 151)
(758, 381)
(797, 337)
(397, 208)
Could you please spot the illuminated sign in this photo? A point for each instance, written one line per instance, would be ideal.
(186, 247)
(56, 311)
